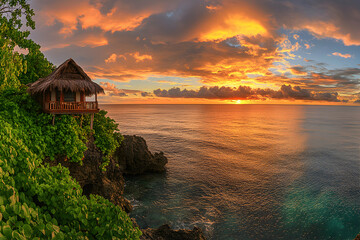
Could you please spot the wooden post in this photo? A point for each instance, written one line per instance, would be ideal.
(61, 99)
(91, 121)
(53, 120)
(96, 100)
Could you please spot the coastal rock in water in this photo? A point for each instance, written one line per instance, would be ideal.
(166, 233)
(109, 184)
(134, 157)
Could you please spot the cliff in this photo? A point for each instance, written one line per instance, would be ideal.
(109, 184)
(132, 157)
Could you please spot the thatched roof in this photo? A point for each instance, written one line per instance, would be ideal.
(67, 77)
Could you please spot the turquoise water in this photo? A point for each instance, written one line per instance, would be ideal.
(249, 171)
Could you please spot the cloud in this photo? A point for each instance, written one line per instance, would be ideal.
(111, 59)
(298, 70)
(219, 42)
(146, 94)
(109, 15)
(136, 56)
(112, 90)
(357, 101)
(342, 55)
(139, 58)
(327, 18)
(246, 93)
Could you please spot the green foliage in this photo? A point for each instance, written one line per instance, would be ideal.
(43, 202)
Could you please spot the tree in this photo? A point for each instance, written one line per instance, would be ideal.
(14, 14)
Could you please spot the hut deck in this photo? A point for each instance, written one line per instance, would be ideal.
(71, 107)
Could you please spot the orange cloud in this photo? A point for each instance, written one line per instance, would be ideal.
(342, 55)
(112, 90)
(136, 55)
(139, 58)
(111, 59)
(298, 70)
(212, 7)
(330, 30)
(231, 26)
(89, 14)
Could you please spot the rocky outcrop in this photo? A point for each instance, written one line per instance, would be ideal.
(134, 157)
(166, 233)
(109, 184)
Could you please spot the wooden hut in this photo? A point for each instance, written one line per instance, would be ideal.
(65, 89)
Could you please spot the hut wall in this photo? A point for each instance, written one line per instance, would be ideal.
(47, 98)
(77, 97)
(53, 96)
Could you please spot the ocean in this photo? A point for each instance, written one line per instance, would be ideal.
(248, 171)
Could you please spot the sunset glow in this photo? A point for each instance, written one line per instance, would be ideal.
(140, 48)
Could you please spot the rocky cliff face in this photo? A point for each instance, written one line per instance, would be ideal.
(134, 157)
(109, 184)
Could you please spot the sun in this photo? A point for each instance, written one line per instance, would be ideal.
(235, 101)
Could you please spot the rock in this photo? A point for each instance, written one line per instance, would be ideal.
(357, 237)
(109, 184)
(134, 157)
(166, 233)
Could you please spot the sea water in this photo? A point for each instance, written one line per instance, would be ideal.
(248, 171)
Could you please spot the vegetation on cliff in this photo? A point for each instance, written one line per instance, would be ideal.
(39, 201)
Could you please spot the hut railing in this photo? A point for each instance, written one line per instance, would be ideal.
(68, 106)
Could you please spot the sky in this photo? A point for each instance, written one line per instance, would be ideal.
(208, 51)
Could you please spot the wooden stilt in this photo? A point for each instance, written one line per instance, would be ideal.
(91, 121)
(53, 120)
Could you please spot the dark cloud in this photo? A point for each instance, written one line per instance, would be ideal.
(146, 94)
(244, 92)
(298, 70)
(119, 94)
(357, 101)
